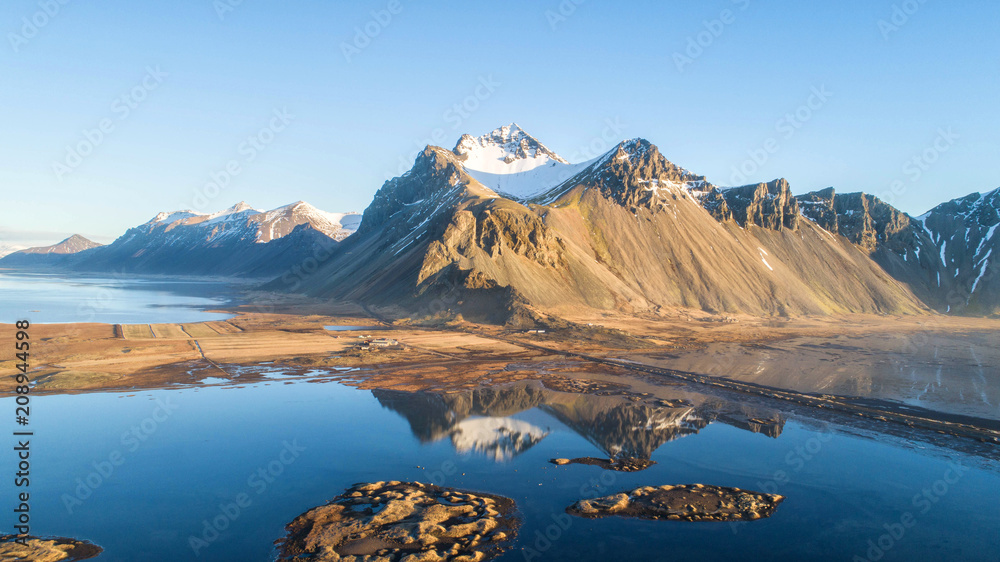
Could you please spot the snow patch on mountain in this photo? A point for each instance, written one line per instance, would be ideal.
(167, 218)
(239, 211)
(244, 221)
(528, 184)
(283, 220)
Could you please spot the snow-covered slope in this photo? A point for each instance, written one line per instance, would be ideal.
(513, 163)
(243, 221)
(529, 184)
(964, 233)
(506, 150)
(281, 221)
(516, 165)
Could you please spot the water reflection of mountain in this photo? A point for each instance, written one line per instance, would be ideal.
(500, 438)
(477, 420)
(619, 425)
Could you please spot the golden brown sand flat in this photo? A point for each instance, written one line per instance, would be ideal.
(843, 358)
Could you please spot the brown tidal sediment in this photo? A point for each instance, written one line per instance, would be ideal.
(52, 549)
(685, 502)
(858, 365)
(620, 464)
(403, 521)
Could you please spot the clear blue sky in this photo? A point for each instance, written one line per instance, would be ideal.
(560, 79)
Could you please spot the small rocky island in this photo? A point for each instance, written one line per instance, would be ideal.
(620, 464)
(686, 502)
(50, 549)
(403, 521)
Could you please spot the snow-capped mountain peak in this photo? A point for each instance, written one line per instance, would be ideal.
(505, 150)
(169, 217)
(71, 245)
(237, 211)
(512, 162)
(244, 221)
(187, 214)
(283, 220)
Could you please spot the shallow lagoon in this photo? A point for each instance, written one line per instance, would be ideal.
(52, 299)
(843, 482)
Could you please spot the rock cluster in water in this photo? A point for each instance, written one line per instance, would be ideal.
(621, 464)
(46, 549)
(688, 502)
(402, 522)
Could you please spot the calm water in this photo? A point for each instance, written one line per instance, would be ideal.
(55, 299)
(843, 483)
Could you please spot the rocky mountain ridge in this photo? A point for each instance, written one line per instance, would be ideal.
(627, 232)
(238, 241)
(502, 229)
(71, 245)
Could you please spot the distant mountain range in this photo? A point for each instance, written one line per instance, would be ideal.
(501, 229)
(239, 241)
